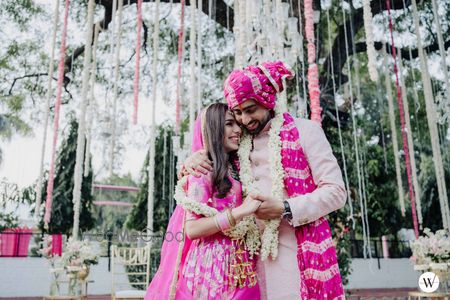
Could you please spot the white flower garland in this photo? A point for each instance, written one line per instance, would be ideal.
(245, 229)
(269, 240)
(371, 52)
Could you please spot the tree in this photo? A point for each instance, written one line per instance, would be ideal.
(138, 217)
(61, 220)
(351, 30)
(18, 14)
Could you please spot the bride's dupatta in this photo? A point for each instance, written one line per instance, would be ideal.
(166, 284)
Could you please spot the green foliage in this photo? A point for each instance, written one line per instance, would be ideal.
(61, 220)
(8, 220)
(19, 11)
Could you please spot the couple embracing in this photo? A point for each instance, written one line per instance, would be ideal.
(252, 202)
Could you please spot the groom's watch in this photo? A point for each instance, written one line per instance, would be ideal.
(287, 214)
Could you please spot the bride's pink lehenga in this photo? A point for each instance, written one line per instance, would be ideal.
(204, 268)
(211, 263)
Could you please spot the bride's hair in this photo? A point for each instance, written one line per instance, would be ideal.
(213, 138)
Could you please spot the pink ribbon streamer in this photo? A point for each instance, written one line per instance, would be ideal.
(180, 60)
(313, 73)
(403, 125)
(138, 61)
(49, 199)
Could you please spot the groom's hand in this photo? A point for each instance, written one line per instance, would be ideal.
(270, 208)
(197, 164)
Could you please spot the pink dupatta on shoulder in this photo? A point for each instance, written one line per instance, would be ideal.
(320, 277)
(165, 283)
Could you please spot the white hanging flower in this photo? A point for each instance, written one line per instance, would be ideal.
(371, 53)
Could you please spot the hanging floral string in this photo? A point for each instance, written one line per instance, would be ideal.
(313, 71)
(151, 171)
(116, 76)
(403, 125)
(371, 53)
(180, 60)
(410, 140)
(47, 111)
(192, 56)
(394, 134)
(363, 142)
(51, 174)
(91, 102)
(366, 240)
(199, 56)
(303, 102)
(442, 50)
(137, 69)
(431, 118)
(239, 33)
(78, 173)
(344, 161)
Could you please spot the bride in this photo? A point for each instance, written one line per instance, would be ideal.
(215, 259)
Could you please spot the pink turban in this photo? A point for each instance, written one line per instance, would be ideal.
(261, 83)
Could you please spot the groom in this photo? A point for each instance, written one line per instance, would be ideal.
(306, 264)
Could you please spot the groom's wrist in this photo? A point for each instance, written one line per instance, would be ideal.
(287, 212)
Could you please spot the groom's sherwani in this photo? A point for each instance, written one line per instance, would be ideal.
(280, 279)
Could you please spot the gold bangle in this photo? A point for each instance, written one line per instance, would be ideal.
(231, 219)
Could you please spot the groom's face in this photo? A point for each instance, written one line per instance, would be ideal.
(252, 115)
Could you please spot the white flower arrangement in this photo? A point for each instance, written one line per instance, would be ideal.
(79, 253)
(269, 240)
(245, 229)
(431, 248)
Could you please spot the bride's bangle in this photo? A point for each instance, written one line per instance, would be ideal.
(217, 222)
(231, 218)
(223, 221)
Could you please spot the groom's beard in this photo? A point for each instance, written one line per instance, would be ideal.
(261, 125)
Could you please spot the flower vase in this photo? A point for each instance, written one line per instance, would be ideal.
(443, 272)
(54, 285)
(74, 288)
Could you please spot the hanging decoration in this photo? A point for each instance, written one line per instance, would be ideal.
(371, 53)
(239, 33)
(137, 69)
(432, 119)
(341, 142)
(47, 111)
(401, 109)
(151, 171)
(192, 57)
(443, 53)
(199, 56)
(117, 47)
(298, 43)
(51, 174)
(313, 71)
(366, 240)
(91, 102)
(78, 173)
(410, 140)
(180, 61)
(394, 135)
